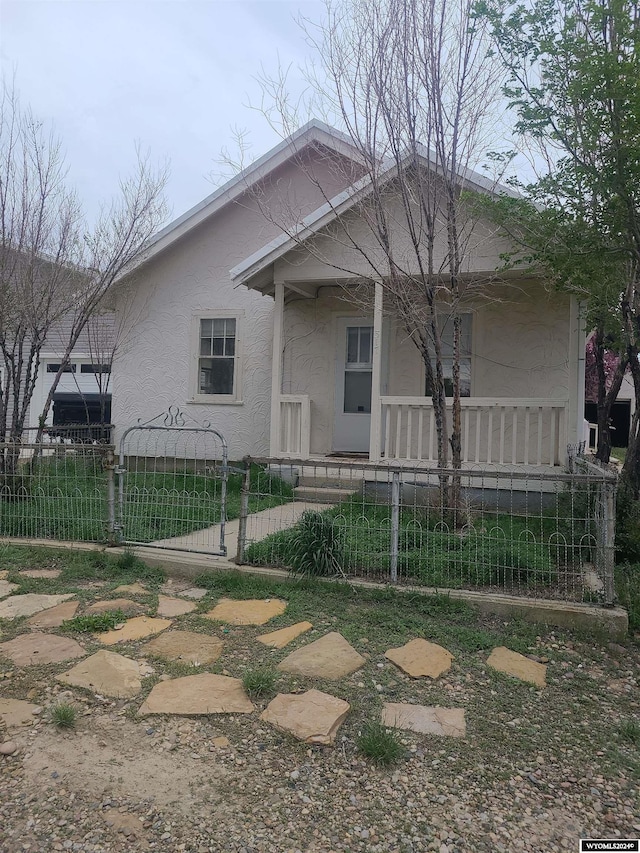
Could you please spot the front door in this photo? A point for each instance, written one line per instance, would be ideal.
(354, 364)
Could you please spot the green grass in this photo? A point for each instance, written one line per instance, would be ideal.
(67, 500)
(628, 591)
(497, 550)
(63, 715)
(259, 682)
(381, 745)
(94, 622)
(629, 731)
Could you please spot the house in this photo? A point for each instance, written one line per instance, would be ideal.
(235, 322)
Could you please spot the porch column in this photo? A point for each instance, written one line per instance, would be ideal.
(577, 344)
(375, 438)
(276, 370)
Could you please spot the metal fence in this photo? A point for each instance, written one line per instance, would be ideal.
(533, 533)
(57, 487)
(540, 534)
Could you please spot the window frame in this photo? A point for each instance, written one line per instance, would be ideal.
(471, 358)
(235, 398)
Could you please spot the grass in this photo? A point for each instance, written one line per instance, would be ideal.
(94, 622)
(497, 549)
(381, 745)
(66, 499)
(259, 682)
(628, 592)
(629, 731)
(63, 715)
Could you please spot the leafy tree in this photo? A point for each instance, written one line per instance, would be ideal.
(574, 83)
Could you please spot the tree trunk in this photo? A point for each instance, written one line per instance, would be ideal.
(631, 468)
(606, 397)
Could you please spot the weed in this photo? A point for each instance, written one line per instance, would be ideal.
(380, 744)
(63, 715)
(94, 622)
(259, 683)
(629, 731)
(316, 546)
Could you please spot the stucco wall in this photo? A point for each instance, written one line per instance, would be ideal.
(156, 358)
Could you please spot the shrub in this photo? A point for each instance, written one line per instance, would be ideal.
(316, 546)
(627, 526)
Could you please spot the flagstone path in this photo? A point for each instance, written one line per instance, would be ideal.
(312, 716)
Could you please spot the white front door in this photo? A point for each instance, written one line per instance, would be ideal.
(354, 364)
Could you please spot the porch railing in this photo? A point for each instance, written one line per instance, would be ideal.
(295, 425)
(515, 431)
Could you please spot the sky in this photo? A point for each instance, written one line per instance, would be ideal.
(173, 76)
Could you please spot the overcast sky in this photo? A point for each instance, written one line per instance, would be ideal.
(173, 75)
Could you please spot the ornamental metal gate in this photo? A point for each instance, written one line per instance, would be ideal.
(172, 485)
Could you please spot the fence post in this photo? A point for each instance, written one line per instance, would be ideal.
(607, 532)
(395, 524)
(244, 510)
(109, 466)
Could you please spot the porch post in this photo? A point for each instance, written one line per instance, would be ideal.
(276, 370)
(577, 343)
(375, 438)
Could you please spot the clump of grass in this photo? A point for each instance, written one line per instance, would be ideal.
(316, 546)
(95, 622)
(380, 744)
(63, 715)
(629, 731)
(259, 682)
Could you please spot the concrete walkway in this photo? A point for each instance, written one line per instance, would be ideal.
(259, 526)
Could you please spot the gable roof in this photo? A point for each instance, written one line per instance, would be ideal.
(314, 132)
(253, 271)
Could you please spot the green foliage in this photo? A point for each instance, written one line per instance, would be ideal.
(259, 682)
(506, 552)
(94, 622)
(66, 498)
(63, 715)
(628, 592)
(629, 731)
(380, 744)
(315, 546)
(627, 525)
(100, 565)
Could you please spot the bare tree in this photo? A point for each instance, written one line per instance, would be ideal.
(412, 85)
(52, 263)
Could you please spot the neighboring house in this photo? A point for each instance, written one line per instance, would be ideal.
(624, 406)
(237, 324)
(83, 395)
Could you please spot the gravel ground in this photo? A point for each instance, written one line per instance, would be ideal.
(538, 769)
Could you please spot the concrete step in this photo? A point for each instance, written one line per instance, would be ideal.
(322, 494)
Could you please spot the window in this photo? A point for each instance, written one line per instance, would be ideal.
(95, 368)
(358, 370)
(445, 323)
(217, 357)
(54, 368)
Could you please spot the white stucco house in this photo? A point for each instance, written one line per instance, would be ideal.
(237, 323)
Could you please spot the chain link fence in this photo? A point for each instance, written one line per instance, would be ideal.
(538, 534)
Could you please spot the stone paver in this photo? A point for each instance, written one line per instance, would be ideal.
(37, 648)
(51, 574)
(424, 720)
(187, 646)
(194, 592)
(16, 712)
(312, 717)
(519, 666)
(132, 589)
(198, 694)
(330, 657)
(4, 574)
(279, 639)
(419, 658)
(168, 606)
(106, 673)
(7, 588)
(55, 616)
(253, 611)
(125, 604)
(134, 629)
(28, 604)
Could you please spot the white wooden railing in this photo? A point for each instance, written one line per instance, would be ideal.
(295, 426)
(494, 430)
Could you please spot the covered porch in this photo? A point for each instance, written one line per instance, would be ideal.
(344, 382)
